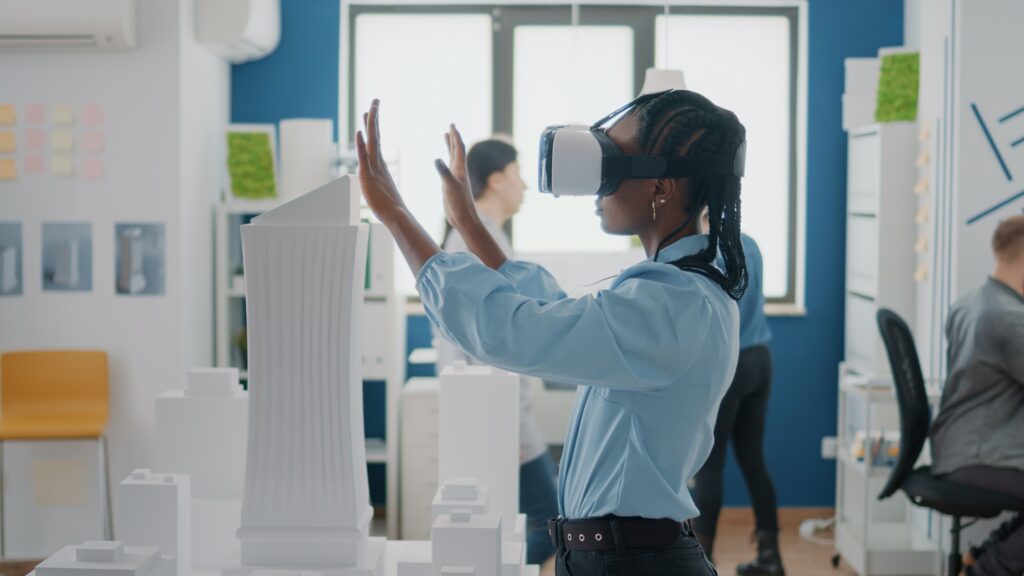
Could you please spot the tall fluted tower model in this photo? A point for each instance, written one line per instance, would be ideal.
(306, 503)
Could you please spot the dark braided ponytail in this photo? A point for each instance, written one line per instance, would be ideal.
(667, 124)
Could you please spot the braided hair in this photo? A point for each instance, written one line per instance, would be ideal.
(668, 124)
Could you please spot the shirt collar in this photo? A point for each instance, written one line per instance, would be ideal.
(682, 247)
(1008, 289)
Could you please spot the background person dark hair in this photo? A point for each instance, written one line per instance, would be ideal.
(497, 187)
(741, 418)
(977, 437)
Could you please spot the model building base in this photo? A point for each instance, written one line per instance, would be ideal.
(370, 564)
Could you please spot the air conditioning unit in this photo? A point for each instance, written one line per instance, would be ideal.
(238, 30)
(67, 24)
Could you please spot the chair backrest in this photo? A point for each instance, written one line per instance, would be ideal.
(915, 417)
(53, 378)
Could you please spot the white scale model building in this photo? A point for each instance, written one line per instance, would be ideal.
(305, 503)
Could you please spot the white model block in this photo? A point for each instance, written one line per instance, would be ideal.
(215, 523)
(8, 268)
(104, 559)
(205, 382)
(479, 433)
(306, 502)
(65, 272)
(204, 435)
(130, 277)
(458, 571)
(460, 489)
(156, 510)
(473, 541)
(465, 498)
(513, 558)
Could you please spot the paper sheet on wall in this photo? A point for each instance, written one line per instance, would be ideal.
(921, 246)
(61, 165)
(35, 139)
(922, 159)
(35, 113)
(7, 142)
(60, 483)
(922, 215)
(63, 141)
(92, 168)
(92, 114)
(93, 142)
(7, 114)
(62, 114)
(922, 185)
(921, 274)
(34, 164)
(8, 169)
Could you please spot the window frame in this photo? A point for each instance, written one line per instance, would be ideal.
(641, 15)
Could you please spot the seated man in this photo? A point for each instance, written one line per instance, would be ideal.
(978, 435)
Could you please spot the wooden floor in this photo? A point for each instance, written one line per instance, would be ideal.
(800, 558)
(733, 546)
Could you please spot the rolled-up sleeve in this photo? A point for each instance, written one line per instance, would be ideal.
(640, 334)
(532, 280)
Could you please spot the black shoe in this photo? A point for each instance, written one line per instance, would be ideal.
(998, 535)
(768, 561)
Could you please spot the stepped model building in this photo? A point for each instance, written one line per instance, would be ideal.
(306, 502)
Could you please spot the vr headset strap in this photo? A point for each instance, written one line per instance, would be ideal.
(706, 165)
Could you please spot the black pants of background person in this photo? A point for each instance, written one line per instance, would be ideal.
(684, 557)
(741, 418)
(1003, 554)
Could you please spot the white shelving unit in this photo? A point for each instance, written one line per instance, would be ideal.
(876, 537)
(383, 335)
(880, 234)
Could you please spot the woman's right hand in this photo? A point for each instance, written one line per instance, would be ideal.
(459, 208)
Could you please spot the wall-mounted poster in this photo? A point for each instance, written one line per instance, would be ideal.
(67, 256)
(252, 162)
(139, 262)
(10, 259)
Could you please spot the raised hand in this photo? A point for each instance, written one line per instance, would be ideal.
(375, 180)
(458, 197)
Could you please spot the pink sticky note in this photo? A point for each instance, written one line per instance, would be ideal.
(93, 142)
(92, 168)
(35, 113)
(35, 138)
(34, 164)
(92, 114)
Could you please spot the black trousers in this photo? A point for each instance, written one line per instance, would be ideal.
(1005, 554)
(684, 557)
(741, 418)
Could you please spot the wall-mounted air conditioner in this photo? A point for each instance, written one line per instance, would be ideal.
(238, 30)
(67, 24)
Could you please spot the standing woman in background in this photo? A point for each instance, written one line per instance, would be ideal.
(741, 417)
(497, 189)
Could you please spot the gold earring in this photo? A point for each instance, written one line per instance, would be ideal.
(654, 211)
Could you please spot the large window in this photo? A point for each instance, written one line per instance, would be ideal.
(495, 68)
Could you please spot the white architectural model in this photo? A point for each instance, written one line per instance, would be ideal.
(105, 559)
(201, 431)
(306, 503)
(154, 511)
(65, 270)
(130, 278)
(479, 433)
(8, 269)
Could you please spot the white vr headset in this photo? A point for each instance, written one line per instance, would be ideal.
(583, 160)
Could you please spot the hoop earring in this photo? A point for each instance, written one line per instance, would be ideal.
(654, 211)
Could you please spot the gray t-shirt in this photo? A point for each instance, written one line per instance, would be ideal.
(531, 442)
(981, 418)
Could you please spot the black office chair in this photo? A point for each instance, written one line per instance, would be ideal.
(923, 489)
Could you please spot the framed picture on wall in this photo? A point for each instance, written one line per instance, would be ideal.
(10, 259)
(252, 174)
(139, 268)
(67, 256)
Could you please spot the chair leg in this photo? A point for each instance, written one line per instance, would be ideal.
(108, 515)
(955, 560)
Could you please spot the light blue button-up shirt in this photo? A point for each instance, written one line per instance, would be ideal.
(652, 356)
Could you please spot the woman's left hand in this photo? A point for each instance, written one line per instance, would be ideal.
(459, 208)
(375, 180)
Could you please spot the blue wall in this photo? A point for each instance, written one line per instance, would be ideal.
(300, 79)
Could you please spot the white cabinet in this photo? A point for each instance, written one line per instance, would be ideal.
(880, 234)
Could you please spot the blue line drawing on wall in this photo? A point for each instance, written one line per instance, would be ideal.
(1011, 115)
(1018, 142)
(991, 142)
(985, 213)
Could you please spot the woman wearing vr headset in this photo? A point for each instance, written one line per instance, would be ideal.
(652, 355)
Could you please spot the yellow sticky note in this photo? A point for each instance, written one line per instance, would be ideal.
(921, 246)
(922, 215)
(7, 143)
(922, 159)
(62, 166)
(63, 141)
(62, 114)
(921, 274)
(8, 169)
(7, 115)
(922, 185)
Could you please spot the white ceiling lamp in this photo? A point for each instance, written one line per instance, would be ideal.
(661, 79)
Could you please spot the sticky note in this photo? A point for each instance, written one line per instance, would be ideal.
(922, 215)
(63, 141)
(7, 143)
(34, 164)
(921, 274)
(35, 138)
(92, 168)
(62, 114)
(7, 115)
(35, 113)
(922, 159)
(921, 246)
(922, 185)
(923, 135)
(61, 165)
(92, 114)
(8, 169)
(93, 142)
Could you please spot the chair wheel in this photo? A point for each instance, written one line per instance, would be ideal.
(836, 559)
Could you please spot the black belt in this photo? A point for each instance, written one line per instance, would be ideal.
(615, 533)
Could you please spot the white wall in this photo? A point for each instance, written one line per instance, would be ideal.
(165, 103)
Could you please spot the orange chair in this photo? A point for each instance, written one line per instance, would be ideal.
(57, 395)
